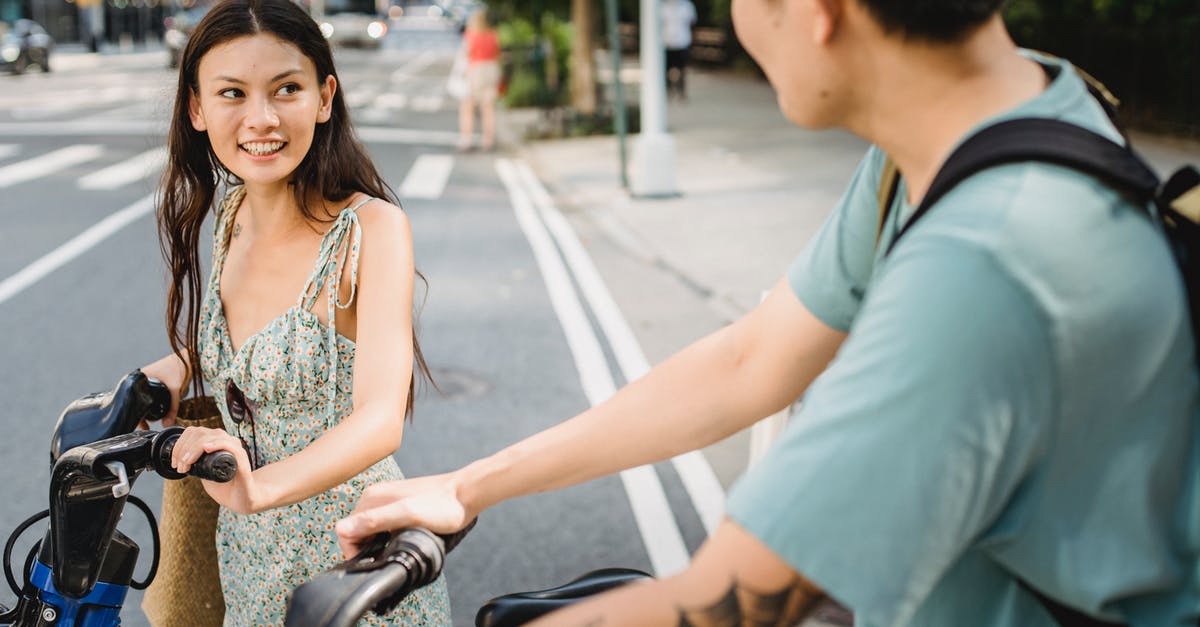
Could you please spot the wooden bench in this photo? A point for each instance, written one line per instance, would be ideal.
(710, 45)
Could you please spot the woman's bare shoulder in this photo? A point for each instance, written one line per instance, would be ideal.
(383, 221)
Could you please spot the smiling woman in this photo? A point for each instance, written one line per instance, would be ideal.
(306, 344)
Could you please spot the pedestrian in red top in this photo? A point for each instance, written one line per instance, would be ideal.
(482, 49)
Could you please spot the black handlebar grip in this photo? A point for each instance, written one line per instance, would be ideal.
(159, 397)
(453, 539)
(219, 466)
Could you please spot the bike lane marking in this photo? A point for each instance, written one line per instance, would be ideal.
(77, 245)
(699, 480)
(660, 534)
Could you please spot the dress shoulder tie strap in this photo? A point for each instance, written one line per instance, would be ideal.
(339, 248)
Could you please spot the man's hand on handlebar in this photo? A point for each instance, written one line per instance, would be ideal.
(429, 502)
(240, 495)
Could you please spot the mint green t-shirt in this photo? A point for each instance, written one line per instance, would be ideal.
(1017, 400)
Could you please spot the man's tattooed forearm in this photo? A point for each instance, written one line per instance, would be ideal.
(742, 607)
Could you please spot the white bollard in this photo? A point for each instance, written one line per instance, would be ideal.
(653, 171)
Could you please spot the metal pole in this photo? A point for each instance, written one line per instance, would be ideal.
(654, 154)
(619, 125)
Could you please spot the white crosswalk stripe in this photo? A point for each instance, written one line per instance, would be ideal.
(75, 100)
(391, 101)
(360, 97)
(427, 178)
(427, 102)
(133, 169)
(413, 67)
(8, 150)
(48, 163)
(383, 106)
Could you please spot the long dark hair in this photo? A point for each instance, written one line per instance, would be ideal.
(335, 167)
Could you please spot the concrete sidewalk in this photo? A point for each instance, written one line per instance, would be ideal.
(754, 189)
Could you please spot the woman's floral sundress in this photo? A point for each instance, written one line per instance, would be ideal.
(297, 373)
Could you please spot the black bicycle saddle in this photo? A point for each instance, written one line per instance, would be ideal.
(519, 608)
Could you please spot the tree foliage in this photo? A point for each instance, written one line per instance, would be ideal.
(1145, 51)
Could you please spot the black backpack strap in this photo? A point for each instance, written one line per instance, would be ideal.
(1039, 139)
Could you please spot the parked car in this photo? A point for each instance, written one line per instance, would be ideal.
(22, 44)
(178, 27)
(353, 23)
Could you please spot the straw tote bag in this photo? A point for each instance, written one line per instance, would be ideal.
(186, 591)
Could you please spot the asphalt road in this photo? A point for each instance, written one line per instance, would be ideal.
(512, 343)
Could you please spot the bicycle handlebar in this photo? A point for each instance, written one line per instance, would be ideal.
(387, 570)
(88, 487)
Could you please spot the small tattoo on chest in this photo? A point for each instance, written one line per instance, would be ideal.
(237, 230)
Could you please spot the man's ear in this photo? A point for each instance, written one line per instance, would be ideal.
(194, 112)
(328, 89)
(827, 15)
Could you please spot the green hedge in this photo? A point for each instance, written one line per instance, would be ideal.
(1146, 51)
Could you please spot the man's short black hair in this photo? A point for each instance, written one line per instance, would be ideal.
(941, 21)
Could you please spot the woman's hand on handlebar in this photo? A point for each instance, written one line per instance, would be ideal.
(172, 371)
(430, 502)
(242, 494)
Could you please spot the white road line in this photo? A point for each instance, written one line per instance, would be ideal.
(374, 115)
(427, 177)
(386, 135)
(660, 535)
(41, 112)
(427, 103)
(360, 97)
(74, 100)
(697, 475)
(128, 171)
(406, 71)
(8, 150)
(84, 127)
(155, 129)
(48, 163)
(148, 108)
(391, 101)
(78, 245)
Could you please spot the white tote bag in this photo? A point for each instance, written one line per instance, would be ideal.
(456, 83)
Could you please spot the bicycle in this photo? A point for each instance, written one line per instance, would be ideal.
(80, 572)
